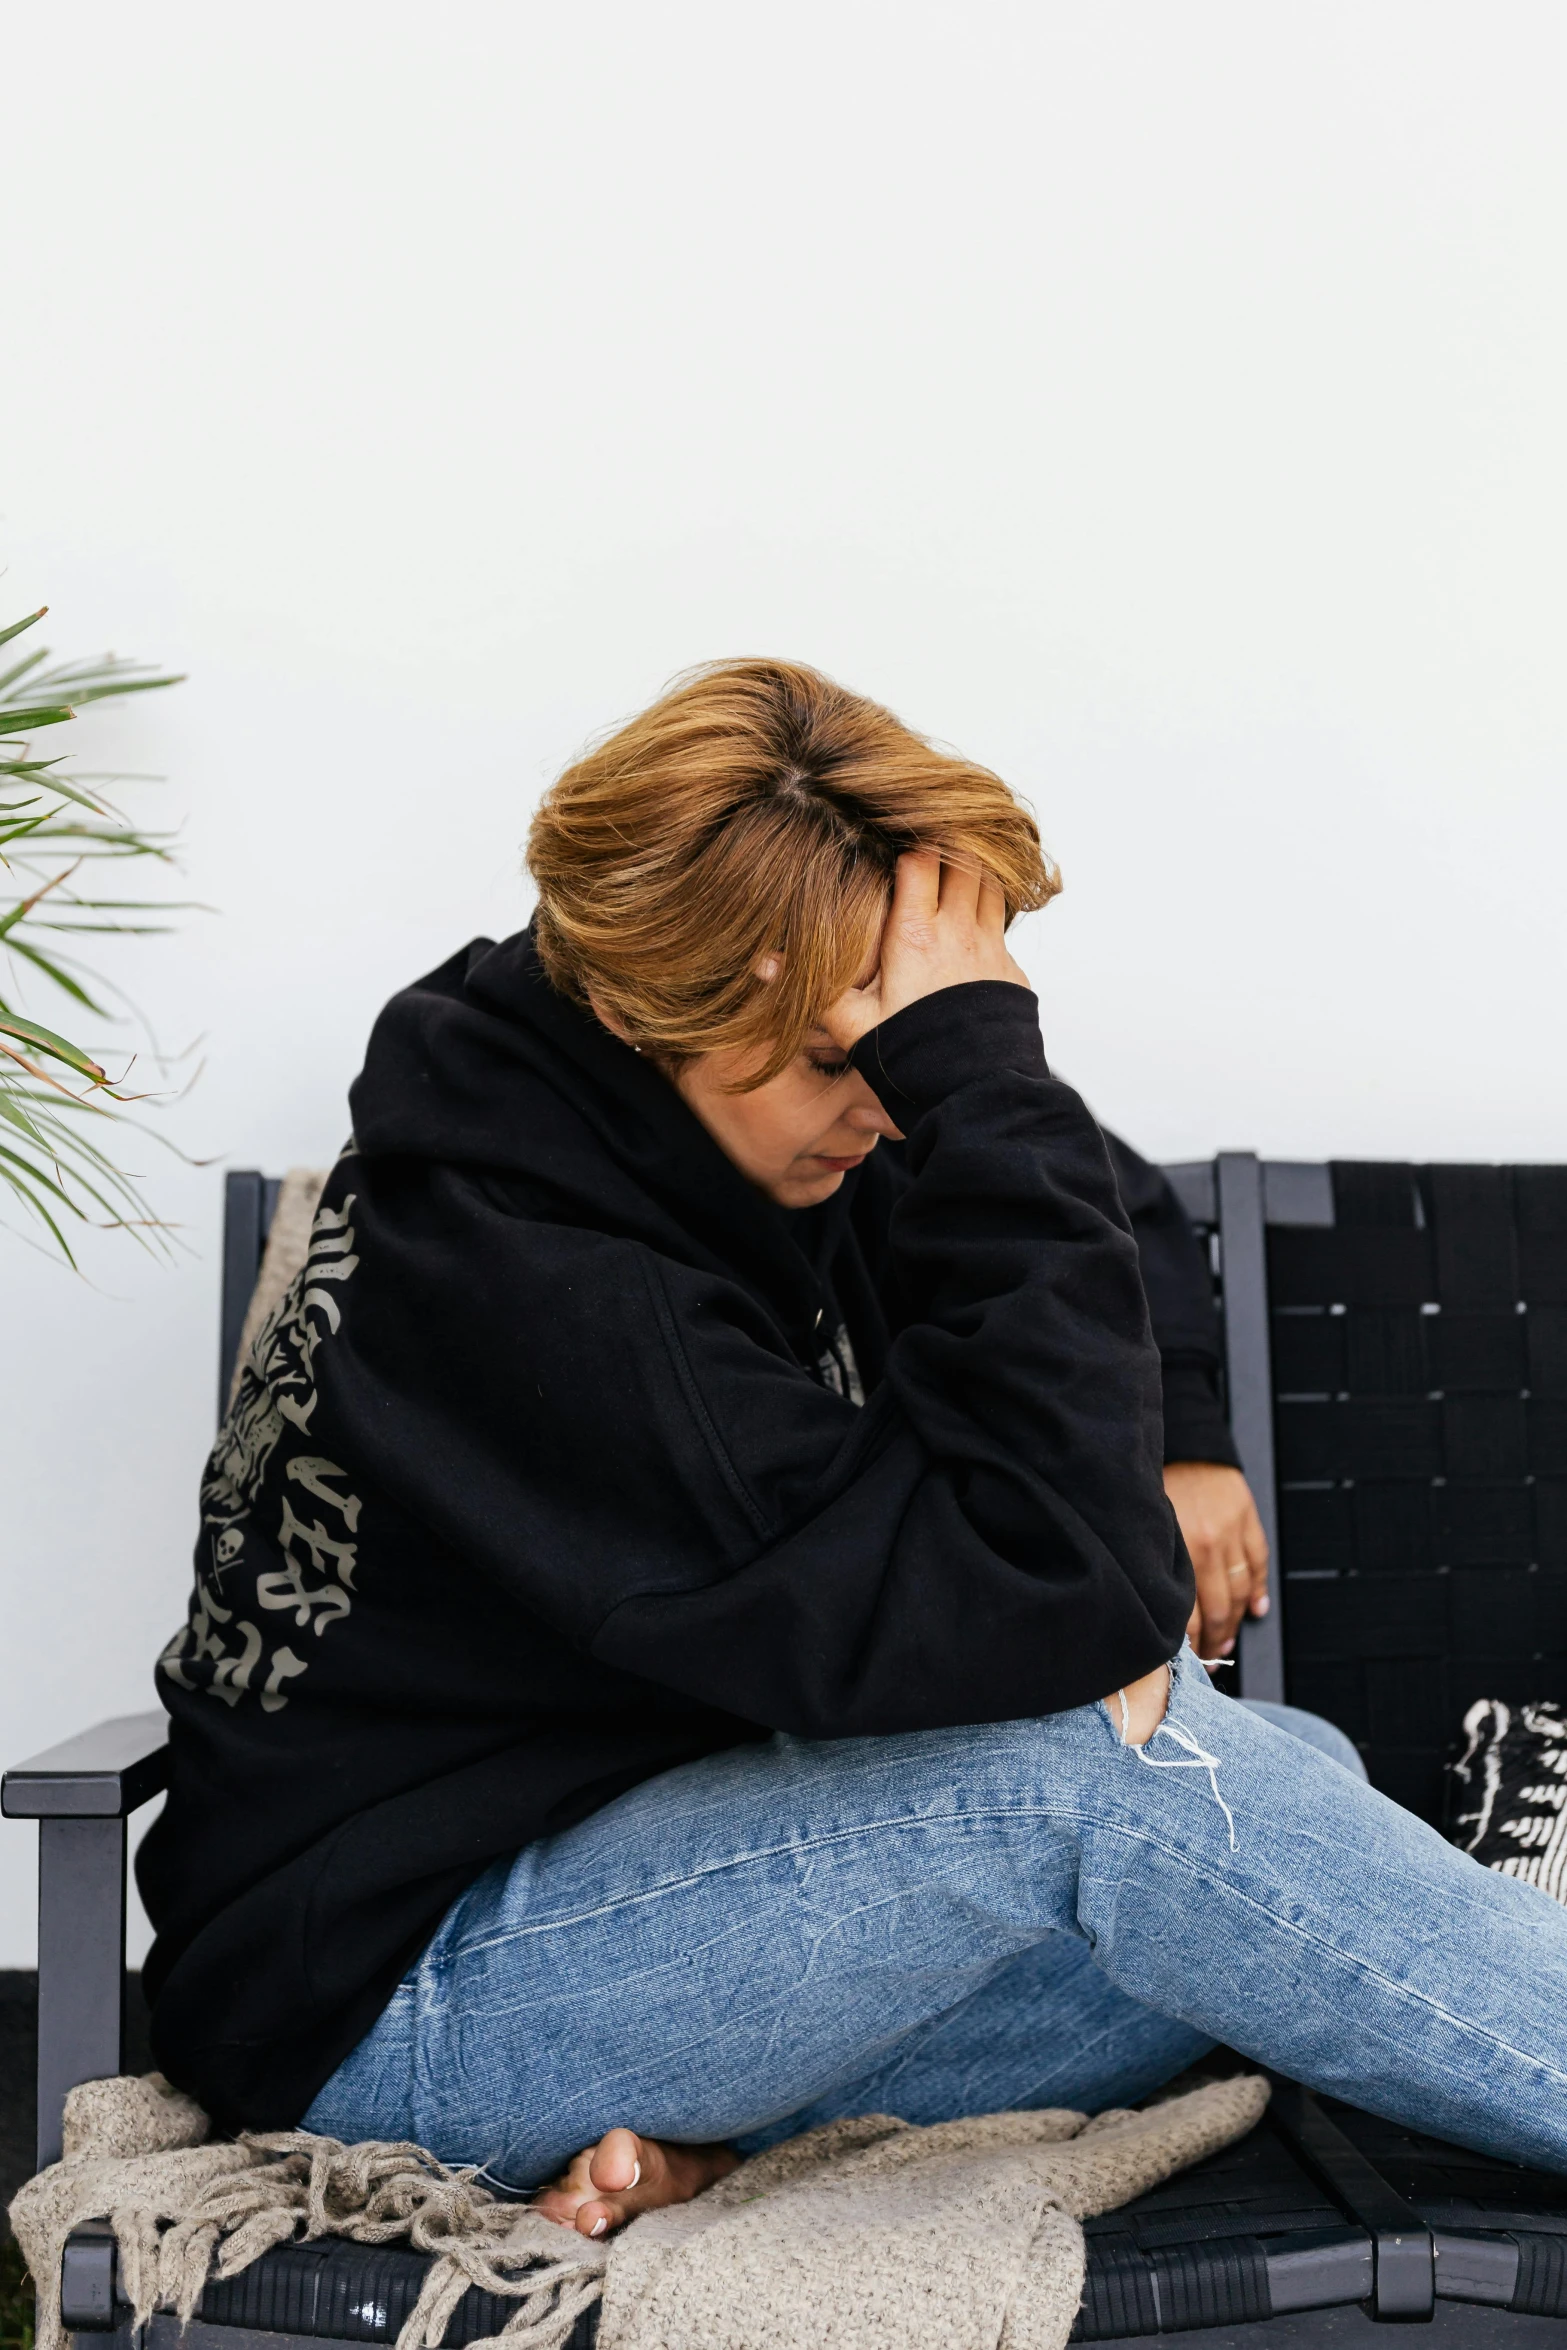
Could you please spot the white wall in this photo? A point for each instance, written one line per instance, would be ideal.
(1165, 403)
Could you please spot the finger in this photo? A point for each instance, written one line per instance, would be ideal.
(871, 942)
(992, 906)
(916, 893)
(853, 1014)
(1232, 1585)
(960, 886)
(1255, 1544)
(1218, 1608)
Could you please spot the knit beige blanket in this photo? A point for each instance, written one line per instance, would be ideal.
(961, 2237)
(288, 1245)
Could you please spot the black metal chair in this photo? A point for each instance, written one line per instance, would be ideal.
(1396, 1363)
(83, 1792)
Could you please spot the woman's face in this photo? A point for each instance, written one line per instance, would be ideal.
(797, 1136)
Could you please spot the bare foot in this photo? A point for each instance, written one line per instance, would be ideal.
(623, 2174)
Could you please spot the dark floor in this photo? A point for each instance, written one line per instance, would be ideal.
(18, 2054)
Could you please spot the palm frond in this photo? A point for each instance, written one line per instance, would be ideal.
(27, 720)
(30, 621)
(55, 829)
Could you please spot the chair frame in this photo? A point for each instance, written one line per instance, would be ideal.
(83, 1792)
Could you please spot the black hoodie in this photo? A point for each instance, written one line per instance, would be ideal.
(548, 1476)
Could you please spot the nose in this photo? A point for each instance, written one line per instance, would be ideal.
(867, 1116)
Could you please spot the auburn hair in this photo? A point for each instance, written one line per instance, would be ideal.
(757, 810)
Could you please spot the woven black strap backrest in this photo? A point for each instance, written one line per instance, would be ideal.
(1420, 1383)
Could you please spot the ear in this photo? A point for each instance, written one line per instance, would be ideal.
(611, 1021)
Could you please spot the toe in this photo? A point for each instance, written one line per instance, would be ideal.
(564, 2197)
(624, 2174)
(617, 2163)
(627, 2175)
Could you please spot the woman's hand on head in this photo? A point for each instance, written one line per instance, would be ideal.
(946, 925)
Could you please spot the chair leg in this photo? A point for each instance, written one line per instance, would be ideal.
(81, 1963)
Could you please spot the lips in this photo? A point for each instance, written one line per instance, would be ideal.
(842, 1166)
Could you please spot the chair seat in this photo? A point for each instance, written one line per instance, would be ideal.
(1247, 2248)
(1249, 2242)
(346, 2292)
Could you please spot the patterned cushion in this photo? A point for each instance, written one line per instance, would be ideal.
(1510, 1792)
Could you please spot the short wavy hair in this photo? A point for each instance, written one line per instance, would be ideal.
(756, 810)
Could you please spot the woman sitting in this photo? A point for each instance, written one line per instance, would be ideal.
(688, 1627)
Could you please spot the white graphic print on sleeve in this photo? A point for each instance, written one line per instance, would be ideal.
(309, 1529)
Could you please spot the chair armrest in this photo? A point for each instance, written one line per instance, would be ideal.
(81, 1794)
(104, 1774)
(89, 2278)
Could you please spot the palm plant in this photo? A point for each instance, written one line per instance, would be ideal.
(16, 2299)
(63, 844)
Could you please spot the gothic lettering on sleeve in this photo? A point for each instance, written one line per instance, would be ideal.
(279, 1525)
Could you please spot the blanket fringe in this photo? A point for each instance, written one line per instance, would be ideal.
(282, 2186)
(866, 2227)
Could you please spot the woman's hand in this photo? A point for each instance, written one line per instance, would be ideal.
(1215, 1512)
(946, 924)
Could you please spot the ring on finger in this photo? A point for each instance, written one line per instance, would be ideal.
(1242, 1569)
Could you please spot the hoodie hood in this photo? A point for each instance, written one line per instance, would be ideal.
(484, 1064)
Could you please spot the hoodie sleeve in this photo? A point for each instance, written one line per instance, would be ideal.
(1180, 1307)
(646, 1465)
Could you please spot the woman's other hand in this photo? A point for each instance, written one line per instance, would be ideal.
(1216, 1514)
(946, 924)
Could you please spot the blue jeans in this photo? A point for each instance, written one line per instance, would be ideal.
(960, 1921)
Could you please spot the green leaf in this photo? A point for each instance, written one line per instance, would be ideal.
(120, 685)
(26, 769)
(76, 1162)
(74, 792)
(59, 929)
(37, 1175)
(58, 832)
(26, 721)
(52, 969)
(20, 1190)
(44, 1040)
(21, 669)
(106, 673)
